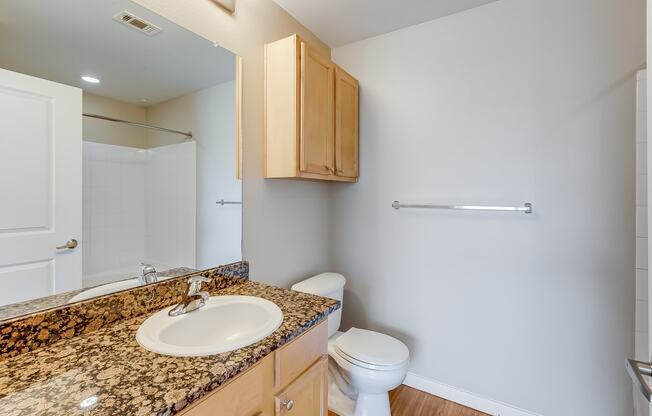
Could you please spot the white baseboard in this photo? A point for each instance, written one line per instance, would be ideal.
(464, 398)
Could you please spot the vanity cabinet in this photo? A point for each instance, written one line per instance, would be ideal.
(311, 115)
(290, 381)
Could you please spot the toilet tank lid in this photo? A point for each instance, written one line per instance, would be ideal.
(321, 284)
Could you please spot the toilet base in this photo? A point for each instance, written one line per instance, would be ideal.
(365, 405)
(372, 405)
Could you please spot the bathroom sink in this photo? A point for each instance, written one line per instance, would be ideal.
(225, 323)
(105, 290)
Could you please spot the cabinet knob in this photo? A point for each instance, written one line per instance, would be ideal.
(289, 404)
(331, 170)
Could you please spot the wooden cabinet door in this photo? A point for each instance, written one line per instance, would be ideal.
(308, 394)
(294, 358)
(250, 394)
(346, 124)
(317, 106)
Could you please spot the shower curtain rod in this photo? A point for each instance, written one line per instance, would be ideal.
(132, 123)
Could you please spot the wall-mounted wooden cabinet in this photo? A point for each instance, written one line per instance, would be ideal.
(311, 115)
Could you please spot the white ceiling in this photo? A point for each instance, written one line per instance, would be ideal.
(60, 40)
(338, 22)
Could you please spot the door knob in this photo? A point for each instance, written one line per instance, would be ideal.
(69, 245)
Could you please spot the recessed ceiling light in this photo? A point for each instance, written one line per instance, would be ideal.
(90, 79)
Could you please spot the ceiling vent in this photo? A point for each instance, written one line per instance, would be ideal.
(137, 23)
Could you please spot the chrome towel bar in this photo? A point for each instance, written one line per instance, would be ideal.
(525, 208)
(223, 202)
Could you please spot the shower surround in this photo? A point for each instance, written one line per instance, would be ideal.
(139, 205)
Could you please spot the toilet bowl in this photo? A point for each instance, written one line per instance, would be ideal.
(363, 365)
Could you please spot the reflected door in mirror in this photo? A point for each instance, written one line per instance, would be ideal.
(40, 194)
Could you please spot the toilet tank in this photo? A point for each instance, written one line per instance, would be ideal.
(328, 285)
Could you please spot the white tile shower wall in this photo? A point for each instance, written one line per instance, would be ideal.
(113, 208)
(642, 351)
(138, 206)
(171, 194)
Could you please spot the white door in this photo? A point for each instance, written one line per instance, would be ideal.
(40, 187)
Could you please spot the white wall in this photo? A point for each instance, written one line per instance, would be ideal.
(210, 115)
(515, 101)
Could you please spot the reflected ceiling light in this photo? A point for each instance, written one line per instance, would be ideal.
(90, 79)
(88, 403)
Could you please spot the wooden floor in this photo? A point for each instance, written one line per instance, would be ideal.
(406, 401)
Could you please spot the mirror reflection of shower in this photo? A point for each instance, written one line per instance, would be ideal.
(150, 185)
(147, 143)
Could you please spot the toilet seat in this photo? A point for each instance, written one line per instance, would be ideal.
(371, 350)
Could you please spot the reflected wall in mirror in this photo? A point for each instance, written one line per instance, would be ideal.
(117, 140)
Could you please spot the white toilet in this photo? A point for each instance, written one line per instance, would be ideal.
(364, 365)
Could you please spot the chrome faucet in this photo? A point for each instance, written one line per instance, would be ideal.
(194, 299)
(149, 274)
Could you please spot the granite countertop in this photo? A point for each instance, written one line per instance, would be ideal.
(106, 372)
(35, 305)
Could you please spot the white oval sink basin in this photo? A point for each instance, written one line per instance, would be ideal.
(105, 290)
(225, 323)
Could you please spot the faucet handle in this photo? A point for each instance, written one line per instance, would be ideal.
(198, 278)
(148, 274)
(148, 268)
(194, 284)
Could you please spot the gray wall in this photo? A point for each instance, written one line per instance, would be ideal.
(518, 100)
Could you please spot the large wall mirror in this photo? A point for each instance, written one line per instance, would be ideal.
(118, 151)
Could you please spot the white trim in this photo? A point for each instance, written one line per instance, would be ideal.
(463, 397)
